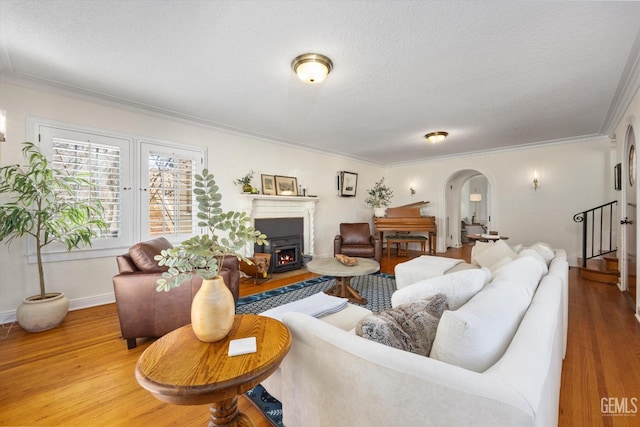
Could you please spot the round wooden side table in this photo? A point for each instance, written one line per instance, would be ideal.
(180, 369)
(343, 275)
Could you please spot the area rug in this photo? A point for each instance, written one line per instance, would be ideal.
(376, 288)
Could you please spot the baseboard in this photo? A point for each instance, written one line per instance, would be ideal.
(76, 304)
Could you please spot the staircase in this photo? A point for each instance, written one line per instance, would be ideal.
(599, 262)
(602, 270)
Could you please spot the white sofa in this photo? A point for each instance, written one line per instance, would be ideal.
(332, 377)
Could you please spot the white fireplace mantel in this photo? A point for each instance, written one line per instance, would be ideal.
(259, 206)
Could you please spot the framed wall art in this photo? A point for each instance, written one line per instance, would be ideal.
(286, 185)
(268, 185)
(348, 184)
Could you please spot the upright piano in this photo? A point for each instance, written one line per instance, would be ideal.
(407, 218)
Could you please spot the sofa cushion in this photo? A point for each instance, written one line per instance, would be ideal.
(524, 272)
(492, 254)
(476, 335)
(545, 250)
(527, 252)
(409, 327)
(459, 287)
(142, 254)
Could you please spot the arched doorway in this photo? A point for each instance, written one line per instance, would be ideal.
(468, 199)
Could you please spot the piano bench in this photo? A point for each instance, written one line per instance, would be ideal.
(402, 244)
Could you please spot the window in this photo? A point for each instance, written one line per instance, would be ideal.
(145, 187)
(170, 202)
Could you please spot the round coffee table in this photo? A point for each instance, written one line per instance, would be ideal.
(343, 275)
(180, 369)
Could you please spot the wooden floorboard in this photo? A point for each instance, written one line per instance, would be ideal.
(81, 373)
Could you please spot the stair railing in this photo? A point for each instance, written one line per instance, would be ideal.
(595, 223)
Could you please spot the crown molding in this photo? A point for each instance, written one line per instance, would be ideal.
(627, 88)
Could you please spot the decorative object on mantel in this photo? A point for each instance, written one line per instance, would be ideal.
(268, 185)
(379, 197)
(43, 203)
(347, 183)
(286, 185)
(245, 181)
(213, 308)
(346, 260)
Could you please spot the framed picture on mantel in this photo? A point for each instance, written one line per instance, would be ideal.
(268, 185)
(286, 185)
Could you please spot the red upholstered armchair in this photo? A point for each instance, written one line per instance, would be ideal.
(355, 240)
(144, 312)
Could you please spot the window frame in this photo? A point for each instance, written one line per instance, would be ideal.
(131, 209)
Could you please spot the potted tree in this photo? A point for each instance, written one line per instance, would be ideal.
(213, 308)
(379, 197)
(41, 203)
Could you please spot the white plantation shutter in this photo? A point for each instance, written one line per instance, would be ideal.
(98, 164)
(105, 161)
(170, 208)
(145, 187)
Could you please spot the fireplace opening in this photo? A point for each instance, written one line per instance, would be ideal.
(284, 242)
(286, 253)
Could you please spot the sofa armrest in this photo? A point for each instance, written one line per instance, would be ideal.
(366, 383)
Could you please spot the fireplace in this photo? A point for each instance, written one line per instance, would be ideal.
(286, 253)
(284, 242)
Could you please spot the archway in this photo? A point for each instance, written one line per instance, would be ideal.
(468, 199)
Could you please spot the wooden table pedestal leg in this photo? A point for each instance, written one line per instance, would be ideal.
(225, 413)
(343, 289)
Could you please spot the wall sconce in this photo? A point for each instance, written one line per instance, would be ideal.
(3, 125)
(536, 181)
(412, 190)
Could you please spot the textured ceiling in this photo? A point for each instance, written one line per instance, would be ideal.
(492, 74)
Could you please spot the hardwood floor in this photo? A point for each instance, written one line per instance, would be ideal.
(81, 373)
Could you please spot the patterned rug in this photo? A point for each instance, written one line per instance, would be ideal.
(376, 288)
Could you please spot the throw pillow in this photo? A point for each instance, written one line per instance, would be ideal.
(494, 254)
(459, 287)
(409, 327)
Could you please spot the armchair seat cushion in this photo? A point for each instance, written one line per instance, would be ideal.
(362, 251)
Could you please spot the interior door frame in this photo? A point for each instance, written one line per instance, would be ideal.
(630, 125)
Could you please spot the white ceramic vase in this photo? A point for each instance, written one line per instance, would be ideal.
(35, 314)
(212, 310)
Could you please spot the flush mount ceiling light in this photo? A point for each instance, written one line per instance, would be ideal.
(436, 137)
(312, 67)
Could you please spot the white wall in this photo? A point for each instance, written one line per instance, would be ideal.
(573, 177)
(231, 155)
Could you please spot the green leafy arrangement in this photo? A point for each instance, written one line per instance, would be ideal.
(379, 195)
(43, 203)
(205, 254)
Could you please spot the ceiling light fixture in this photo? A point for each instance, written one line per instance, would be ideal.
(436, 137)
(312, 67)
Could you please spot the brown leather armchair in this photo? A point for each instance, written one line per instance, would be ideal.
(144, 312)
(355, 240)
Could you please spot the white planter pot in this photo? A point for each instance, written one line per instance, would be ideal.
(35, 315)
(379, 211)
